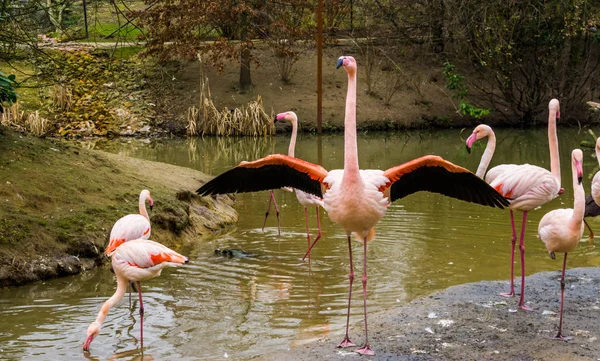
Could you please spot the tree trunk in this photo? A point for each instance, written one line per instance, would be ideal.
(245, 78)
(437, 26)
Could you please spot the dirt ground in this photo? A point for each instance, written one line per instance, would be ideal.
(472, 322)
(420, 100)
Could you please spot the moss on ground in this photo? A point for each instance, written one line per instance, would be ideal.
(59, 200)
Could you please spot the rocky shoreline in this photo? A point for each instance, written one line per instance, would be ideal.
(471, 322)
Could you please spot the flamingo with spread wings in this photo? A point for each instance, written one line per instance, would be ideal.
(527, 186)
(353, 198)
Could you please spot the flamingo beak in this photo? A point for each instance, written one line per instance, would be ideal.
(151, 201)
(561, 191)
(470, 141)
(579, 168)
(275, 120)
(558, 114)
(339, 63)
(88, 341)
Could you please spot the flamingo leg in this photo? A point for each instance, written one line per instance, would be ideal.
(512, 258)
(139, 287)
(366, 349)
(522, 248)
(272, 199)
(560, 336)
(307, 254)
(307, 232)
(591, 232)
(346, 342)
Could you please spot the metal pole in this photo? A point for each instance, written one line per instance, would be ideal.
(319, 66)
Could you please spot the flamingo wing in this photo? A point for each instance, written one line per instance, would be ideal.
(434, 174)
(143, 253)
(591, 208)
(272, 172)
(131, 226)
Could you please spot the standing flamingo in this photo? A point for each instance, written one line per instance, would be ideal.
(592, 202)
(305, 199)
(562, 229)
(136, 260)
(356, 199)
(131, 226)
(526, 186)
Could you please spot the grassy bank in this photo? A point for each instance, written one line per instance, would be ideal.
(59, 203)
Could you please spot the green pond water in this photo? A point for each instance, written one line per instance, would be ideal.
(218, 308)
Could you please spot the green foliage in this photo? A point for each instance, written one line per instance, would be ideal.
(456, 83)
(11, 233)
(8, 94)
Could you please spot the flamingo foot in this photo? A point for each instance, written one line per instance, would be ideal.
(560, 337)
(508, 294)
(346, 343)
(365, 350)
(525, 307)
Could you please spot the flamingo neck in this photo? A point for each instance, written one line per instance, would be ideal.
(578, 203)
(553, 143)
(142, 206)
(598, 155)
(112, 301)
(351, 170)
(293, 140)
(486, 158)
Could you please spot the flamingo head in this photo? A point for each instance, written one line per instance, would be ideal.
(289, 116)
(577, 157)
(92, 332)
(146, 196)
(554, 105)
(348, 62)
(480, 131)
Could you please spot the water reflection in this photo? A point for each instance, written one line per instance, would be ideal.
(243, 307)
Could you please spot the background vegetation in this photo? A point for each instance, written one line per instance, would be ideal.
(507, 58)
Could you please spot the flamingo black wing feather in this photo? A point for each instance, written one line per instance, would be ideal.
(433, 174)
(268, 173)
(591, 208)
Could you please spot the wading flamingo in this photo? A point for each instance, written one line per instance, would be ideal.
(305, 199)
(131, 226)
(526, 186)
(136, 260)
(356, 199)
(592, 202)
(562, 229)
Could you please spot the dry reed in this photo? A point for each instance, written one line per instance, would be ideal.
(248, 120)
(62, 97)
(16, 119)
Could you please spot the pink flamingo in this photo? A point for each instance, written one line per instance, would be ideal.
(136, 260)
(592, 202)
(305, 199)
(526, 186)
(562, 229)
(131, 226)
(353, 198)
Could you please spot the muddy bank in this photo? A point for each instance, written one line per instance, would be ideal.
(59, 203)
(471, 322)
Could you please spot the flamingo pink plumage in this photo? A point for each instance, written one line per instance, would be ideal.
(135, 261)
(131, 226)
(353, 198)
(562, 229)
(526, 186)
(305, 199)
